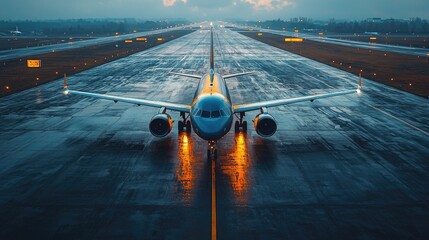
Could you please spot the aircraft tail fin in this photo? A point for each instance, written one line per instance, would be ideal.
(211, 50)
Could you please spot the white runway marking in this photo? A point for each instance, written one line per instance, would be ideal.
(396, 118)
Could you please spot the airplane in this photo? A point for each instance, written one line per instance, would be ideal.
(16, 31)
(211, 112)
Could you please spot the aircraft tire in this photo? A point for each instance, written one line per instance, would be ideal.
(188, 126)
(244, 126)
(237, 127)
(180, 126)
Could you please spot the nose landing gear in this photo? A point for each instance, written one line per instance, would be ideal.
(212, 150)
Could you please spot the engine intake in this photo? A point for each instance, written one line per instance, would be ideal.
(160, 125)
(265, 125)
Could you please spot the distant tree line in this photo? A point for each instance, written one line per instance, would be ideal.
(394, 26)
(294, 23)
(412, 26)
(85, 26)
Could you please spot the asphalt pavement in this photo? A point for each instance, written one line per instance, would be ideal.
(349, 167)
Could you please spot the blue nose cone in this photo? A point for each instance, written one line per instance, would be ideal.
(211, 116)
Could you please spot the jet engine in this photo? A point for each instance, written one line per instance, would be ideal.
(160, 125)
(265, 124)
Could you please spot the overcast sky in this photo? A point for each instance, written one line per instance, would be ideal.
(213, 9)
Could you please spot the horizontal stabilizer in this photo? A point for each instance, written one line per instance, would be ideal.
(237, 75)
(186, 75)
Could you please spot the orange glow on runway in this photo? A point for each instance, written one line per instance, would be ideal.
(185, 168)
(238, 172)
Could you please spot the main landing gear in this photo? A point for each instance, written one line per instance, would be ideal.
(240, 123)
(212, 150)
(185, 124)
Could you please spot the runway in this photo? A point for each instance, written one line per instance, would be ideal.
(366, 45)
(25, 52)
(350, 167)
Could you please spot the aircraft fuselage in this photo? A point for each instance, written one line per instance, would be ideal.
(211, 112)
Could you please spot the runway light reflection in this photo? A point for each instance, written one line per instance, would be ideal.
(238, 172)
(184, 170)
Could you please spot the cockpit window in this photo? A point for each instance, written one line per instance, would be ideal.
(222, 113)
(215, 114)
(205, 114)
(198, 113)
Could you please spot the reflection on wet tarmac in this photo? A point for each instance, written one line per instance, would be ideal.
(184, 171)
(237, 169)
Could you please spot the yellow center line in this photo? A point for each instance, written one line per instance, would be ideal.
(213, 201)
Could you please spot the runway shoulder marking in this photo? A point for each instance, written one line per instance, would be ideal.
(398, 119)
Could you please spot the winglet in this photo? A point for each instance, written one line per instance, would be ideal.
(65, 81)
(66, 90)
(358, 90)
(360, 82)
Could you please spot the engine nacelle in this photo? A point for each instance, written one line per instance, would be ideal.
(160, 125)
(265, 125)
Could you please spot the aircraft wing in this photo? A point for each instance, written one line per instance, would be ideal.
(259, 105)
(149, 103)
(237, 75)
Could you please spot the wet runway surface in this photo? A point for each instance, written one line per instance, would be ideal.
(350, 167)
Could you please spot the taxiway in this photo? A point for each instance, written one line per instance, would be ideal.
(31, 51)
(423, 52)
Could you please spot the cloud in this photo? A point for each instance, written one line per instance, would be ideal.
(170, 3)
(268, 4)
